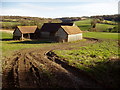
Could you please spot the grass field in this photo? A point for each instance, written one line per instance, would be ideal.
(102, 35)
(86, 25)
(100, 60)
(9, 45)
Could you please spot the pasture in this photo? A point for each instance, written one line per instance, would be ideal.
(85, 25)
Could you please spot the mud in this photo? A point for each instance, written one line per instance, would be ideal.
(33, 68)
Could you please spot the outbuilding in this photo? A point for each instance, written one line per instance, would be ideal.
(24, 32)
(68, 34)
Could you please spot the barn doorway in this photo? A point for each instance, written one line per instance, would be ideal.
(26, 36)
(32, 36)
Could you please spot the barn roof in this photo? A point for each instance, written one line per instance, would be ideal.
(50, 27)
(53, 27)
(27, 29)
(71, 29)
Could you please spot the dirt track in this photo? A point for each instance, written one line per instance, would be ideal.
(30, 68)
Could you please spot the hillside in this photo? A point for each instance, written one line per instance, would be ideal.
(104, 26)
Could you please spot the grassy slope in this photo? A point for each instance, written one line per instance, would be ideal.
(98, 60)
(86, 25)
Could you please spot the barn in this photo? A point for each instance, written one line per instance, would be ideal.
(24, 32)
(60, 32)
(68, 34)
(48, 30)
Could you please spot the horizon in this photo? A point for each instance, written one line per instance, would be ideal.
(59, 9)
(58, 17)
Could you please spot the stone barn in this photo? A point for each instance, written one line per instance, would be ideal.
(24, 32)
(68, 34)
(60, 32)
(48, 30)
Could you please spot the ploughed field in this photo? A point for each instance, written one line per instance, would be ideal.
(33, 68)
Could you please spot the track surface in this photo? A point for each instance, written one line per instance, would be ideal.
(30, 68)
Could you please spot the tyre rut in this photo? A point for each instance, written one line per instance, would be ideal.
(32, 69)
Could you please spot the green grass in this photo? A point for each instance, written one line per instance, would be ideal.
(104, 27)
(85, 25)
(10, 45)
(9, 25)
(6, 35)
(99, 59)
(101, 35)
(11, 20)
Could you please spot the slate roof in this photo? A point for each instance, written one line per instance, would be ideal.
(53, 27)
(71, 30)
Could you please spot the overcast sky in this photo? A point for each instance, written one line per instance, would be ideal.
(61, 8)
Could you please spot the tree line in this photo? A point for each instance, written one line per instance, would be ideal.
(10, 22)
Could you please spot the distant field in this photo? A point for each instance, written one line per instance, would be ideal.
(86, 25)
(9, 25)
(102, 35)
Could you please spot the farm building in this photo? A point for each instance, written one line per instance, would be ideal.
(60, 32)
(22, 32)
(68, 34)
(48, 30)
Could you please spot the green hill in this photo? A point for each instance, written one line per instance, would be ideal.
(110, 26)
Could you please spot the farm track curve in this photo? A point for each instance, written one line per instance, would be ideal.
(31, 68)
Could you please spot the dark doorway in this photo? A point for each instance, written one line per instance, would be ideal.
(26, 36)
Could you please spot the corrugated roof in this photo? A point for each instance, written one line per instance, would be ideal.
(71, 29)
(27, 29)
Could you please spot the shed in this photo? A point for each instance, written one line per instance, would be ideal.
(68, 34)
(22, 32)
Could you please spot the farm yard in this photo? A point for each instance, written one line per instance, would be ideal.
(92, 62)
(88, 63)
(59, 44)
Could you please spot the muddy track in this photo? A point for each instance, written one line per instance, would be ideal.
(34, 69)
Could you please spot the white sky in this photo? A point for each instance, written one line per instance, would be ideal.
(61, 8)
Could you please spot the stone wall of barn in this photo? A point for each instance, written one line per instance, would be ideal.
(74, 37)
(45, 34)
(17, 33)
(61, 35)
